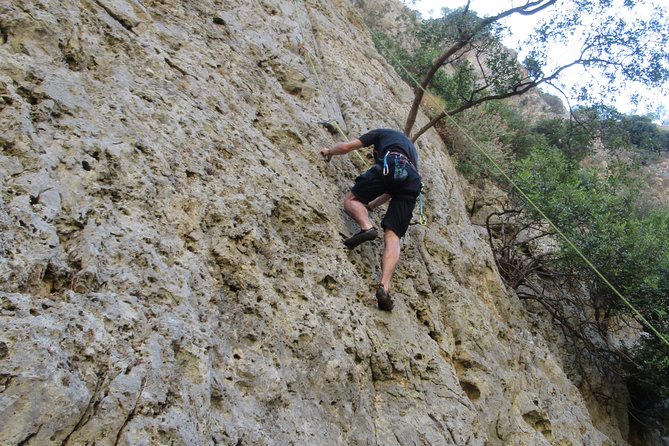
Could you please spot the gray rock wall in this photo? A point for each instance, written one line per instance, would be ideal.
(171, 263)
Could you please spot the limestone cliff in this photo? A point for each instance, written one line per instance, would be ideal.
(171, 262)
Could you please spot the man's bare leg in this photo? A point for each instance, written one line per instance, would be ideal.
(391, 255)
(357, 211)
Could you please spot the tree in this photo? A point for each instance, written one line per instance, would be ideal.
(572, 137)
(597, 211)
(631, 49)
(645, 135)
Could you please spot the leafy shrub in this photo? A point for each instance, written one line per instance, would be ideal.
(596, 210)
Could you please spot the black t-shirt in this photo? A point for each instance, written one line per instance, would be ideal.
(385, 140)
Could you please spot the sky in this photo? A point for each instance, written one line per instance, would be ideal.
(521, 26)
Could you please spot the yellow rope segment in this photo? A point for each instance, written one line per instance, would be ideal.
(321, 90)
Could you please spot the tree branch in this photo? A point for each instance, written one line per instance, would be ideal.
(529, 8)
(466, 106)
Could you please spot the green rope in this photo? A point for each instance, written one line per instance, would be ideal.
(321, 90)
(533, 205)
(310, 60)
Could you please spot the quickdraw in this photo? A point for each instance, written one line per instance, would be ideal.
(386, 170)
(421, 215)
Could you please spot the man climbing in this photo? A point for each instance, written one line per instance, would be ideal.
(394, 176)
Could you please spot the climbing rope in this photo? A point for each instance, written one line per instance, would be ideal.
(522, 193)
(303, 50)
(330, 123)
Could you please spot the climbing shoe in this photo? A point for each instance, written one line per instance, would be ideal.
(384, 299)
(360, 237)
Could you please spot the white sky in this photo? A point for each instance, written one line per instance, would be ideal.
(521, 26)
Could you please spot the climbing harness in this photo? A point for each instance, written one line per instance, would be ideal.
(401, 162)
(385, 164)
(400, 174)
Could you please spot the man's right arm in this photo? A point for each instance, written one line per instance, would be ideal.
(341, 149)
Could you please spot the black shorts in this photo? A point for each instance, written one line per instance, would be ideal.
(372, 184)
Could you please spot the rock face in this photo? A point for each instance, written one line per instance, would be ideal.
(170, 244)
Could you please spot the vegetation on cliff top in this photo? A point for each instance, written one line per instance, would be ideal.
(460, 55)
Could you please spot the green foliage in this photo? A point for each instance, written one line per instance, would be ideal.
(571, 138)
(462, 82)
(623, 132)
(645, 135)
(452, 88)
(518, 136)
(604, 123)
(597, 211)
(623, 45)
(554, 103)
(393, 51)
(492, 127)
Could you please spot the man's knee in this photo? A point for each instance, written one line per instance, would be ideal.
(390, 236)
(349, 198)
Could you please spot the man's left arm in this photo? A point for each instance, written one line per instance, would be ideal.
(375, 203)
